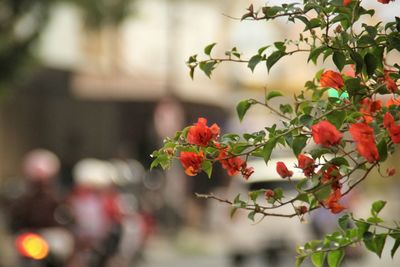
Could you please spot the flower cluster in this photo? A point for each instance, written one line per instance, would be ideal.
(202, 135)
(341, 127)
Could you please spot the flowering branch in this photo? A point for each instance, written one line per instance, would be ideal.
(335, 103)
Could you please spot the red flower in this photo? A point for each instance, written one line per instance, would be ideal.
(307, 164)
(200, 134)
(369, 108)
(391, 171)
(191, 162)
(332, 202)
(388, 120)
(347, 2)
(269, 193)
(332, 174)
(390, 84)
(393, 129)
(302, 210)
(393, 102)
(282, 170)
(384, 1)
(331, 79)
(326, 134)
(246, 171)
(234, 164)
(350, 71)
(394, 132)
(364, 137)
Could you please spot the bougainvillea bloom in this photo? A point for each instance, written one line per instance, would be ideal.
(388, 120)
(324, 133)
(307, 164)
(364, 137)
(200, 134)
(391, 171)
(394, 133)
(390, 84)
(384, 1)
(234, 164)
(282, 170)
(347, 2)
(246, 171)
(392, 127)
(332, 175)
(332, 79)
(269, 193)
(393, 102)
(332, 202)
(369, 108)
(191, 162)
(302, 210)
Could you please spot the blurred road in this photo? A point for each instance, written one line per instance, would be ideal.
(163, 252)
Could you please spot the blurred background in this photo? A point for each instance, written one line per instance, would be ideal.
(89, 88)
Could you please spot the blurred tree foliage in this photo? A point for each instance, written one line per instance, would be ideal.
(22, 22)
(99, 13)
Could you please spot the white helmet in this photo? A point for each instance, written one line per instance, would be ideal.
(94, 173)
(41, 165)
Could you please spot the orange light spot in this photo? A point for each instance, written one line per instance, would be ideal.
(32, 245)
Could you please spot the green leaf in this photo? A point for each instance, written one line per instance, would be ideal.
(339, 161)
(302, 197)
(280, 46)
(191, 72)
(273, 58)
(395, 247)
(318, 152)
(262, 49)
(208, 48)
(251, 215)
(306, 120)
(397, 24)
(278, 193)
(375, 243)
(394, 40)
(337, 118)
(383, 150)
(323, 193)
(206, 166)
(300, 260)
(371, 63)
(362, 228)
(254, 194)
(267, 150)
(313, 23)
(286, 108)
(374, 220)
(339, 59)
(316, 52)
(253, 62)
(299, 142)
(233, 211)
(353, 86)
(335, 258)
(377, 206)
(207, 67)
(358, 60)
(242, 108)
(344, 221)
(318, 258)
(273, 94)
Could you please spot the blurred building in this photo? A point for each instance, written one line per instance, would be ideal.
(98, 88)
